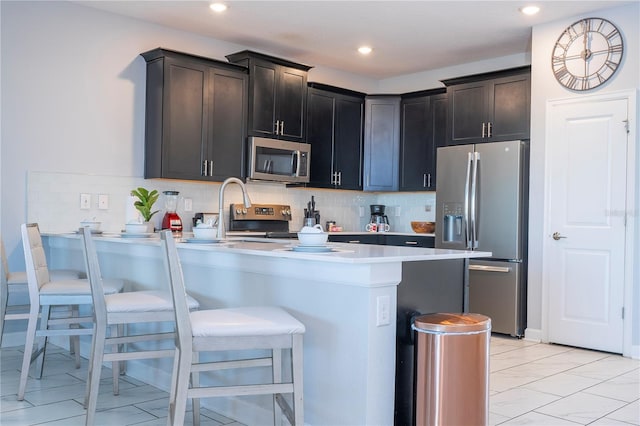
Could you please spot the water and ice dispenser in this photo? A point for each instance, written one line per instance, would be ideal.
(453, 222)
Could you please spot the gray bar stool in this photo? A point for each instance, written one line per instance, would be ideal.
(44, 294)
(115, 312)
(262, 327)
(16, 283)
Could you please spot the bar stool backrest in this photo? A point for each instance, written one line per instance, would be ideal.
(178, 292)
(95, 277)
(35, 259)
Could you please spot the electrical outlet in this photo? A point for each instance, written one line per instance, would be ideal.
(188, 204)
(103, 202)
(361, 211)
(427, 208)
(85, 201)
(383, 308)
(397, 208)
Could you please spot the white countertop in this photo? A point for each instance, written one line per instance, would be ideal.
(340, 252)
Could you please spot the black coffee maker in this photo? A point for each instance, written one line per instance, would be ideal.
(377, 214)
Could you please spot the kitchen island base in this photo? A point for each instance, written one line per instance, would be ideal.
(349, 345)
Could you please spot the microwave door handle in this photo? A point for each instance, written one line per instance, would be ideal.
(295, 158)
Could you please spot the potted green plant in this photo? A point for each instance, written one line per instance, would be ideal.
(144, 204)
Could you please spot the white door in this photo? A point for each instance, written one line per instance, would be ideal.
(585, 246)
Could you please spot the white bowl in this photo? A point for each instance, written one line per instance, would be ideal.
(136, 228)
(312, 239)
(205, 233)
(94, 226)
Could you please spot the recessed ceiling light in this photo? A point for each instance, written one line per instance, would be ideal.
(365, 50)
(530, 10)
(218, 7)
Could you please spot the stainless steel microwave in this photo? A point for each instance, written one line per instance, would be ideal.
(279, 161)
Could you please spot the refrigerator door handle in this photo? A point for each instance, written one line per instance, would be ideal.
(484, 268)
(466, 200)
(474, 190)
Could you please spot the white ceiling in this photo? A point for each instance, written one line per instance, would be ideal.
(407, 36)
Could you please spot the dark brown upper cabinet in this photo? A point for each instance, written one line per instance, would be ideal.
(277, 95)
(489, 107)
(423, 129)
(381, 142)
(196, 111)
(334, 130)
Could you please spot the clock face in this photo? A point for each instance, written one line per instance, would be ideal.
(587, 54)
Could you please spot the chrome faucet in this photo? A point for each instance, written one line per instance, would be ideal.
(247, 203)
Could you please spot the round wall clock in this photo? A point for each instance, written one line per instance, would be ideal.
(587, 54)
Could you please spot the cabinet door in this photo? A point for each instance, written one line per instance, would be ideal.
(467, 112)
(320, 124)
(415, 144)
(510, 100)
(291, 103)
(381, 143)
(184, 115)
(348, 141)
(262, 110)
(226, 124)
(438, 118)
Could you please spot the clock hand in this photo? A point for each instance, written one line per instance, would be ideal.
(585, 52)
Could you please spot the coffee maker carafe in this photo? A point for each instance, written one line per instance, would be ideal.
(378, 217)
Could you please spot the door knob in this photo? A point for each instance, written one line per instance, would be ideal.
(556, 236)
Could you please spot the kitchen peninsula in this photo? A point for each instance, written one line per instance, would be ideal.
(346, 298)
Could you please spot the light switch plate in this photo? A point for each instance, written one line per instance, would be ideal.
(103, 202)
(85, 201)
(188, 204)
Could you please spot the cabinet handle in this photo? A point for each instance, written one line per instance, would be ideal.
(424, 180)
(203, 171)
(278, 127)
(428, 180)
(354, 241)
(411, 243)
(282, 128)
(333, 178)
(489, 129)
(484, 129)
(339, 178)
(211, 168)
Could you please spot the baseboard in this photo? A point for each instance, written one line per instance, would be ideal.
(533, 334)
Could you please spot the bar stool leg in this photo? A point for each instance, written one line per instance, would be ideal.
(276, 368)
(195, 383)
(42, 341)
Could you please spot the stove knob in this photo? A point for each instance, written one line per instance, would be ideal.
(238, 211)
(244, 211)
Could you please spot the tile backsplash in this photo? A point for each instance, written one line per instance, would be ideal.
(53, 201)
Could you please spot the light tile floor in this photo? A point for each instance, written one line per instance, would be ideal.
(531, 384)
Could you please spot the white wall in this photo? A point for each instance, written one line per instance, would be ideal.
(73, 88)
(545, 87)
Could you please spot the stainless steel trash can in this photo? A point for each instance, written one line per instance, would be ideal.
(452, 369)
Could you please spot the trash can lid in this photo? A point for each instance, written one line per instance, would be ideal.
(452, 323)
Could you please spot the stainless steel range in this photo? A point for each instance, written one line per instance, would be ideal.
(270, 219)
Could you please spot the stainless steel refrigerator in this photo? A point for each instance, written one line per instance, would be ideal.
(482, 204)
